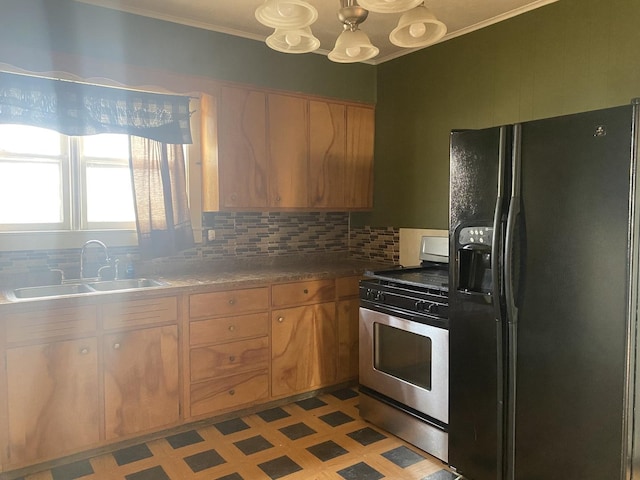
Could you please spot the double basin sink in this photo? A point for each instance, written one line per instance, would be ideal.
(79, 287)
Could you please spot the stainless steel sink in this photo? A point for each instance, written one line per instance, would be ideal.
(49, 290)
(53, 291)
(125, 284)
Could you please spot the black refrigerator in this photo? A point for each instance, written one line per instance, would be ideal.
(543, 281)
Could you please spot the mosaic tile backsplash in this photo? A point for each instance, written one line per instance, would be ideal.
(237, 235)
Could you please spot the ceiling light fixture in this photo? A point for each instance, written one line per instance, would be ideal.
(418, 27)
(291, 20)
(353, 45)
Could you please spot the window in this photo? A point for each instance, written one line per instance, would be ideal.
(56, 182)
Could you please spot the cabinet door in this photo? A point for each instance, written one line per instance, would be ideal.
(303, 348)
(141, 380)
(288, 151)
(359, 157)
(348, 318)
(242, 151)
(53, 401)
(326, 154)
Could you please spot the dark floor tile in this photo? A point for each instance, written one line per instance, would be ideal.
(366, 436)
(403, 456)
(153, 473)
(345, 394)
(327, 450)
(184, 439)
(273, 414)
(441, 475)
(279, 467)
(233, 476)
(253, 445)
(297, 430)
(360, 471)
(231, 426)
(203, 460)
(336, 418)
(311, 403)
(128, 455)
(72, 470)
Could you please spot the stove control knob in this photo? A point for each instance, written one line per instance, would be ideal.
(433, 308)
(379, 297)
(421, 306)
(369, 294)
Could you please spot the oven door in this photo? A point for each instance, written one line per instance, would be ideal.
(406, 361)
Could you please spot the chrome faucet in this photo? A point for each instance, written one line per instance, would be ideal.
(107, 260)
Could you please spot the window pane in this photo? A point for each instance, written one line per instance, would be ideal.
(30, 192)
(106, 145)
(109, 194)
(33, 140)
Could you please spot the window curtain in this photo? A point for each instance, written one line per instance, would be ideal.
(162, 211)
(75, 108)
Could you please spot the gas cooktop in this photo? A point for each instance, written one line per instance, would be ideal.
(429, 276)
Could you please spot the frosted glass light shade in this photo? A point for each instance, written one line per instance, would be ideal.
(352, 46)
(417, 28)
(389, 6)
(286, 14)
(299, 40)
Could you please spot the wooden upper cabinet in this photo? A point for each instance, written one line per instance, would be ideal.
(242, 148)
(359, 157)
(288, 151)
(326, 154)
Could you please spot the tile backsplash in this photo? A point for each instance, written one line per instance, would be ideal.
(235, 235)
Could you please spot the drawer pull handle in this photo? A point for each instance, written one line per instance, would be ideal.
(84, 351)
(232, 328)
(280, 319)
(116, 346)
(306, 290)
(232, 358)
(232, 301)
(232, 392)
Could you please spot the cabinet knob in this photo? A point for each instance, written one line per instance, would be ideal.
(116, 346)
(232, 358)
(234, 197)
(232, 328)
(306, 290)
(84, 351)
(232, 392)
(232, 301)
(280, 319)
(278, 198)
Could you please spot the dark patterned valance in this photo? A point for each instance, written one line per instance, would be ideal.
(79, 109)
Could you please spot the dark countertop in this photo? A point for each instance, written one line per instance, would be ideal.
(224, 275)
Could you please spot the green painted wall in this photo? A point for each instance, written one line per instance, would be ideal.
(570, 56)
(76, 28)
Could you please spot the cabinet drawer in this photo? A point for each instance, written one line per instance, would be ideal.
(229, 392)
(133, 313)
(229, 358)
(348, 286)
(52, 323)
(229, 302)
(219, 330)
(313, 291)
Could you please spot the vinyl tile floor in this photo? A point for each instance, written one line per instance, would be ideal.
(318, 438)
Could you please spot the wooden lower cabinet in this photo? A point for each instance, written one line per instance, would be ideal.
(141, 389)
(303, 348)
(53, 399)
(226, 393)
(348, 319)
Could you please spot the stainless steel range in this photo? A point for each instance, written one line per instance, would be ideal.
(404, 349)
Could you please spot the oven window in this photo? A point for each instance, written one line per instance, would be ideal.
(402, 354)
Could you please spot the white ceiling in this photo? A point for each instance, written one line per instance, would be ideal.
(236, 17)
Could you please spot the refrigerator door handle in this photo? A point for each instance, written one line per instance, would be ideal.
(512, 310)
(512, 219)
(497, 241)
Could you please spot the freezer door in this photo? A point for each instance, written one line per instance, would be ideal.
(571, 295)
(477, 192)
